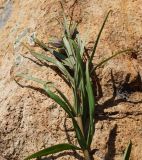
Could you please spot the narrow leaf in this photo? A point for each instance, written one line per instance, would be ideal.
(98, 37)
(63, 104)
(91, 105)
(73, 30)
(80, 74)
(31, 78)
(128, 151)
(52, 95)
(43, 57)
(66, 100)
(52, 150)
(59, 101)
(70, 52)
(109, 58)
(77, 54)
(66, 62)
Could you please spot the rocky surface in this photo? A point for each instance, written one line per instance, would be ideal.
(29, 120)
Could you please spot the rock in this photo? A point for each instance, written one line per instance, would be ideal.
(26, 114)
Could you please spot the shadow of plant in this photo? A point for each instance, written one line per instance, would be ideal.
(120, 95)
(111, 144)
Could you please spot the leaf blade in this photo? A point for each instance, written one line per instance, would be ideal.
(31, 78)
(66, 100)
(70, 51)
(128, 151)
(43, 57)
(91, 105)
(58, 100)
(98, 37)
(52, 150)
(109, 58)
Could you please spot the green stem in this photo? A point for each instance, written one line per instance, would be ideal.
(86, 155)
(80, 124)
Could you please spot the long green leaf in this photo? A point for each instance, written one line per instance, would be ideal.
(43, 57)
(67, 62)
(66, 27)
(66, 100)
(77, 54)
(52, 150)
(91, 105)
(78, 57)
(70, 52)
(98, 37)
(59, 101)
(82, 48)
(79, 135)
(128, 151)
(32, 78)
(52, 95)
(76, 99)
(109, 58)
(73, 29)
(62, 103)
(81, 64)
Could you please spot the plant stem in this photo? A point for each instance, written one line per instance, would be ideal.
(80, 124)
(86, 155)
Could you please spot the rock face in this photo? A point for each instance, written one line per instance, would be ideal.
(29, 120)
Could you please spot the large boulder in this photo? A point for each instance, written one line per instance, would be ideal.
(29, 120)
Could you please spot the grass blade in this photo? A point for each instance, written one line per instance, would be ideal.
(62, 103)
(53, 149)
(43, 57)
(67, 46)
(52, 95)
(81, 64)
(128, 151)
(109, 58)
(91, 105)
(59, 101)
(66, 100)
(73, 30)
(70, 52)
(32, 78)
(98, 37)
(66, 62)
(78, 56)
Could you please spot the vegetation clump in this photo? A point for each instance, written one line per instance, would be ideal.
(76, 66)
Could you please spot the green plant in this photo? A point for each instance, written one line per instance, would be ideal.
(69, 56)
(128, 151)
